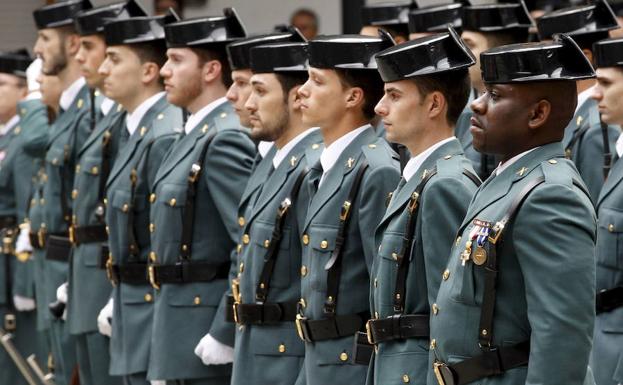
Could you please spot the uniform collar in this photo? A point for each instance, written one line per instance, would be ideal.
(619, 145)
(9, 125)
(68, 96)
(263, 148)
(416, 162)
(196, 118)
(106, 105)
(583, 97)
(133, 119)
(331, 153)
(503, 166)
(285, 150)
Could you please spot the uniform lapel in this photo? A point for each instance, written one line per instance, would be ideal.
(613, 180)
(180, 150)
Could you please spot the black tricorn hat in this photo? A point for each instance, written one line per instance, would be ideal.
(496, 17)
(135, 30)
(608, 53)
(617, 7)
(239, 52)
(355, 52)
(435, 18)
(424, 56)
(92, 21)
(206, 31)
(280, 58)
(387, 13)
(579, 20)
(15, 62)
(59, 14)
(561, 59)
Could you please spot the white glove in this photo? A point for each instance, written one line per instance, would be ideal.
(61, 296)
(104, 319)
(22, 245)
(33, 71)
(23, 303)
(213, 352)
(158, 382)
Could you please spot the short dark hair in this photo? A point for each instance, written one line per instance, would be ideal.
(399, 30)
(290, 80)
(453, 85)
(305, 12)
(371, 84)
(512, 36)
(208, 54)
(586, 41)
(151, 52)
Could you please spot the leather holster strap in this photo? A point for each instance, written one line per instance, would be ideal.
(267, 313)
(229, 309)
(131, 273)
(608, 300)
(58, 247)
(190, 271)
(90, 234)
(399, 327)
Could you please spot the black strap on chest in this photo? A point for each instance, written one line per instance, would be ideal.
(270, 258)
(65, 177)
(609, 300)
(334, 265)
(188, 219)
(106, 166)
(607, 153)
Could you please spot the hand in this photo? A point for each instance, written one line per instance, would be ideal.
(32, 72)
(61, 293)
(104, 319)
(158, 382)
(213, 352)
(24, 303)
(22, 245)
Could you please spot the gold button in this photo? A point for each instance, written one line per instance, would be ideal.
(241, 267)
(376, 315)
(152, 227)
(241, 221)
(105, 202)
(315, 146)
(245, 239)
(305, 239)
(223, 115)
(372, 145)
(435, 309)
(611, 227)
(447, 157)
(197, 300)
(324, 244)
(266, 243)
(303, 271)
(41, 201)
(394, 256)
(55, 161)
(302, 303)
(152, 256)
(74, 194)
(405, 378)
(125, 208)
(152, 198)
(343, 357)
(446, 275)
(282, 348)
(552, 161)
(172, 202)
(148, 297)
(80, 103)
(433, 343)
(107, 230)
(77, 168)
(484, 332)
(94, 170)
(160, 116)
(239, 248)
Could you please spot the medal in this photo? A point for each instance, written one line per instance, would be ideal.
(466, 253)
(480, 256)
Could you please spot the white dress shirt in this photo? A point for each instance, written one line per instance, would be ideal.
(68, 96)
(331, 153)
(281, 153)
(197, 117)
(416, 162)
(106, 106)
(9, 125)
(134, 118)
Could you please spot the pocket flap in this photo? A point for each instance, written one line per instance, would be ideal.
(262, 232)
(196, 294)
(173, 195)
(279, 340)
(55, 156)
(323, 238)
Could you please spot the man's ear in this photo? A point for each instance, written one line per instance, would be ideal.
(354, 97)
(589, 54)
(72, 44)
(212, 71)
(436, 104)
(151, 72)
(540, 114)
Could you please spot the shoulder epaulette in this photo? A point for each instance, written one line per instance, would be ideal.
(379, 153)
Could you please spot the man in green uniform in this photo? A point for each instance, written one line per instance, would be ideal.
(417, 231)
(193, 206)
(57, 43)
(587, 142)
(346, 190)
(269, 284)
(607, 355)
(89, 289)
(487, 26)
(516, 304)
(16, 168)
(135, 53)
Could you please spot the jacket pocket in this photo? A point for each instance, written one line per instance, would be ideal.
(609, 250)
(261, 234)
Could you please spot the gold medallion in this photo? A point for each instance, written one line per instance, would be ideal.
(480, 256)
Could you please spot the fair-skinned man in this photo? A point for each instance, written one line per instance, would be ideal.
(607, 357)
(219, 155)
(271, 277)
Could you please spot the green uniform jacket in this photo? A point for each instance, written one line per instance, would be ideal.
(184, 313)
(277, 345)
(133, 304)
(89, 289)
(329, 361)
(546, 275)
(442, 206)
(583, 143)
(607, 358)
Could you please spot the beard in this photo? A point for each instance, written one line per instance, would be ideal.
(56, 64)
(189, 92)
(274, 129)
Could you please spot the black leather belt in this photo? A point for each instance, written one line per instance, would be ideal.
(58, 247)
(130, 273)
(331, 328)
(7, 221)
(491, 362)
(89, 234)
(266, 313)
(362, 349)
(608, 300)
(229, 309)
(186, 272)
(398, 327)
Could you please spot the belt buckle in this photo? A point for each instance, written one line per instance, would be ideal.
(369, 332)
(72, 234)
(41, 237)
(443, 373)
(235, 309)
(300, 328)
(235, 289)
(109, 271)
(151, 272)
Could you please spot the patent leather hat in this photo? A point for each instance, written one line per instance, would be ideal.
(355, 52)
(435, 18)
(59, 14)
(92, 21)
(15, 62)
(496, 17)
(386, 13)
(608, 53)
(135, 30)
(578, 20)
(239, 52)
(280, 58)
(205, 31)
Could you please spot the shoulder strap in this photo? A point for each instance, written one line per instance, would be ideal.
(607, 153)
(104, 173)
(577, 135)
(334, 265)
(261, 291)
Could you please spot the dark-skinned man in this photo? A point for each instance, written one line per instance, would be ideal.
(587, 142)
(607, 355)
(516, 303)
(418, 229)
(346, 190)
(135, 53)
